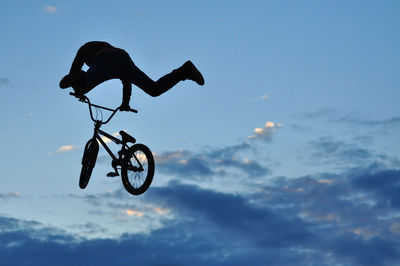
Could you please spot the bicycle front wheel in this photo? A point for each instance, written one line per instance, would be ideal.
(138, 170)
(88, 162)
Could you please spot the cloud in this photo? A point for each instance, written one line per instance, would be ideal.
(168, 246)
(261, 98)
(213, 162)
(193, 165)
(319, 113)
(50, 9)
(251, 167)
(326, 146)
(394, 121)
(326, 219)
(161, 211)
(266, 131)
(66, 148)
(333, 151)
(9, 195)
(321, 219)
(219, 161)
(381, 185)
(343, 116)
(131, 212)
(89, 228)
(234, 215)
(229, 151)
(264, 97)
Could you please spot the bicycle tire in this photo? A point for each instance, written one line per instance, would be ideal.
(88, 162)
(136, 179)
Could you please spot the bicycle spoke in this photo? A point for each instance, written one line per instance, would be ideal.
(137, 178)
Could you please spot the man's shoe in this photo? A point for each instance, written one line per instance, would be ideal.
(193, 73)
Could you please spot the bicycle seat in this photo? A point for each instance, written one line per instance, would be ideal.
(126, 137)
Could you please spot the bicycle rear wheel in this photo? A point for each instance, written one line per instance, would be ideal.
(88, 162)
(138, 171)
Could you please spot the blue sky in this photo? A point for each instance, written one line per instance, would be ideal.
(288, 155)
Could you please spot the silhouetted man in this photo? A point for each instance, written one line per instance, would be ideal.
(107, 62)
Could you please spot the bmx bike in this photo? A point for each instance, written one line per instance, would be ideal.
(136, 162)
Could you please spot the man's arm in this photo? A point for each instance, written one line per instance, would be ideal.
(126, 95)
(78, 62)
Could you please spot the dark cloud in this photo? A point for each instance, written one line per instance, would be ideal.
(89, 228)
(251, 168)
(235, 214)
(213, 162)
(228, 151)
(375, 251)
(383, 186)
(178, 244)
(325, 219)
(12, 224)
(345, 222)
(327, 147)
(319, 113)
(343, 116)
(394, 121)
(193, 165)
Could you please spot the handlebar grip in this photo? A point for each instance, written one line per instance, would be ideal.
(133, 110)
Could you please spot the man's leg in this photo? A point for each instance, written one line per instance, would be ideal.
(165, 83)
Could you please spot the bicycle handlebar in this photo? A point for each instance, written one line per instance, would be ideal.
(85, 99)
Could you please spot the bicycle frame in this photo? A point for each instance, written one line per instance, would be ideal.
(96, 135)
(97, 131)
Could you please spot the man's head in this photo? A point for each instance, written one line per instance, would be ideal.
(74, 80)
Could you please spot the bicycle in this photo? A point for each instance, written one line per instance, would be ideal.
(135, 162)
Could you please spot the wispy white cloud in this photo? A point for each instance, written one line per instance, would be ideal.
(266, 131)
(325, 181)
(131, 212)
(161, 211)
(264, 97)
(261, 98)
(50, 9)
(66, 148)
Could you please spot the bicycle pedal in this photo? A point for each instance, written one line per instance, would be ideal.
(112, 174)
